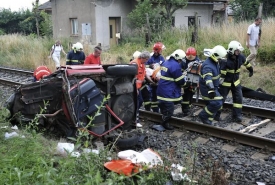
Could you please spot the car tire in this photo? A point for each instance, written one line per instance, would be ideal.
(121, 70)
(124, 107)
(129, 140)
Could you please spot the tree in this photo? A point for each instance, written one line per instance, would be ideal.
(169, 7)
(13, 22)
(159, 12)
(46, 27)
(36, 15)
(248, 10)
(137, 18)
(268, 8)
(244, 9)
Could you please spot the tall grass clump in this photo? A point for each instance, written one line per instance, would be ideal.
(26, 52)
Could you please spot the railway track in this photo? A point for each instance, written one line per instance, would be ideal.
(14, 77)
(249, 132)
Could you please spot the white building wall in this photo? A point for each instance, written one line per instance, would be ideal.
(116, 9)
(204, 13)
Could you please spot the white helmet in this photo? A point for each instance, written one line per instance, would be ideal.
(179, 54)
(218, 52)
(78, 46)
(233, 46)
(136, 54)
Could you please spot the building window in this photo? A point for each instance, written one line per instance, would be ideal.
(74, 26)
(191, 21)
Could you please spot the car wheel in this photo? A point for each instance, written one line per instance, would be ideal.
(121, 70)
(128, 140)
(124, 107)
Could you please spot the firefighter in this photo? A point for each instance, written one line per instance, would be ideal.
(188, 88)
(229, 80)
(140, 78)
(76, 56)
(41, 72)
(169, 86)
(150, 92)
(209, 83)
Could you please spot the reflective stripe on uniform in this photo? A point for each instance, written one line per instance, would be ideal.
(237, 83)
(223, 72)
(215, 77)
(210, 74)
(169, 99)
(179, 78)
(208, 112)
(215, 98)
(237, 105)
(146, 103)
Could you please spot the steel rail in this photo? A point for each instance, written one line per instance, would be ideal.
(16, 70)
(8, 82)
(257, 111)
(234, 136)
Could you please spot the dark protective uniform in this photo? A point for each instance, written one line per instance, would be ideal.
(169, 89)
(188, 89)
(230, 72)
(209, 83)
(75, 57)
(149, 92)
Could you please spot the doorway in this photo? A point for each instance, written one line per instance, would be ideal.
(114, 28)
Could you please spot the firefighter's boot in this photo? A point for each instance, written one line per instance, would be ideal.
(185, 111)
(237, 119)
(147, 107)
(217, 117)
(167, 126)
(205, 120)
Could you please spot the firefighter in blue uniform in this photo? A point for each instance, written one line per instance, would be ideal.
(150, 91)
(76, 56)
(169, 86)
(209, 84)
(189, 89)
(229, 80)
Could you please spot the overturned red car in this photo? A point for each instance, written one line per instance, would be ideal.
(69, 97)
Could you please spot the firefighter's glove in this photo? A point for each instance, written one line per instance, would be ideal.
(184, 73)
(250, 69)
(211, 94)
(221, 80)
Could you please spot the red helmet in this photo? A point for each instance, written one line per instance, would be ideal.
(158, 46)
(191, 51)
